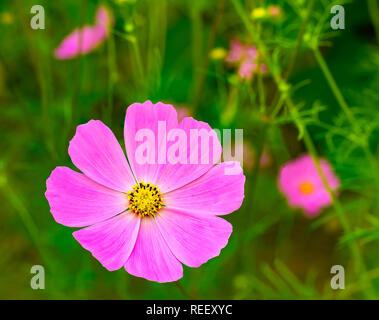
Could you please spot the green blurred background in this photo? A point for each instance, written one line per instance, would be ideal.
(162, 51)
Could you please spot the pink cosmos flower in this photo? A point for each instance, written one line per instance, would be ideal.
(148, 218)
(246, 58)
(300, 182)
(86, 39)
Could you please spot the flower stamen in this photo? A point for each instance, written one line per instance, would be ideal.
(145, 199)
(306, 188)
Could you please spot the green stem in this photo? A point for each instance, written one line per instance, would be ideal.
(261, 89)
(295, 52)
(199, 83)
(182, 290)
(112, 76)
(197, 41)
(281, 83)
(229, 112)
(334, 87)
(360, 268)
(133, 40)
(299, 40)
(349, 114)
(137, 55)
(156, 43)
(32, 229)
(277, 107)
(36, 61)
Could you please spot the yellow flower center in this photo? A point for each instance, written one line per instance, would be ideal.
(218, 53)
(145, 199)
(258, 13)
(306, 188)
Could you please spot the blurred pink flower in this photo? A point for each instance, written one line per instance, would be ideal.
(266, 159)
(246, 58)
(237, 51)
(274, 11)
(104, 17)
(183, 112)
(86, 39)
(300, 182)
(248, 155)
(240, 151)
(150, 224)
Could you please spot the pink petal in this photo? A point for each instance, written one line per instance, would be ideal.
(104, 17)
(159, 121)
(81, 41)
(145, 117)
(220, 191)
(193, 239)
(111, 241)
(151, 257)
(77, 201)
(237, 51)
(251, 53)
(97, 153)
(247, 68)
(263, 68)
(198, 160)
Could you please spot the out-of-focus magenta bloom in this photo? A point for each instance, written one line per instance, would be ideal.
(300, 182)
(266, 158)
(245, 57)
(249, 157)
(183, 112)
(148, 218)
(104, 17)
(86, 39)
(237, 51)
(274, 11)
